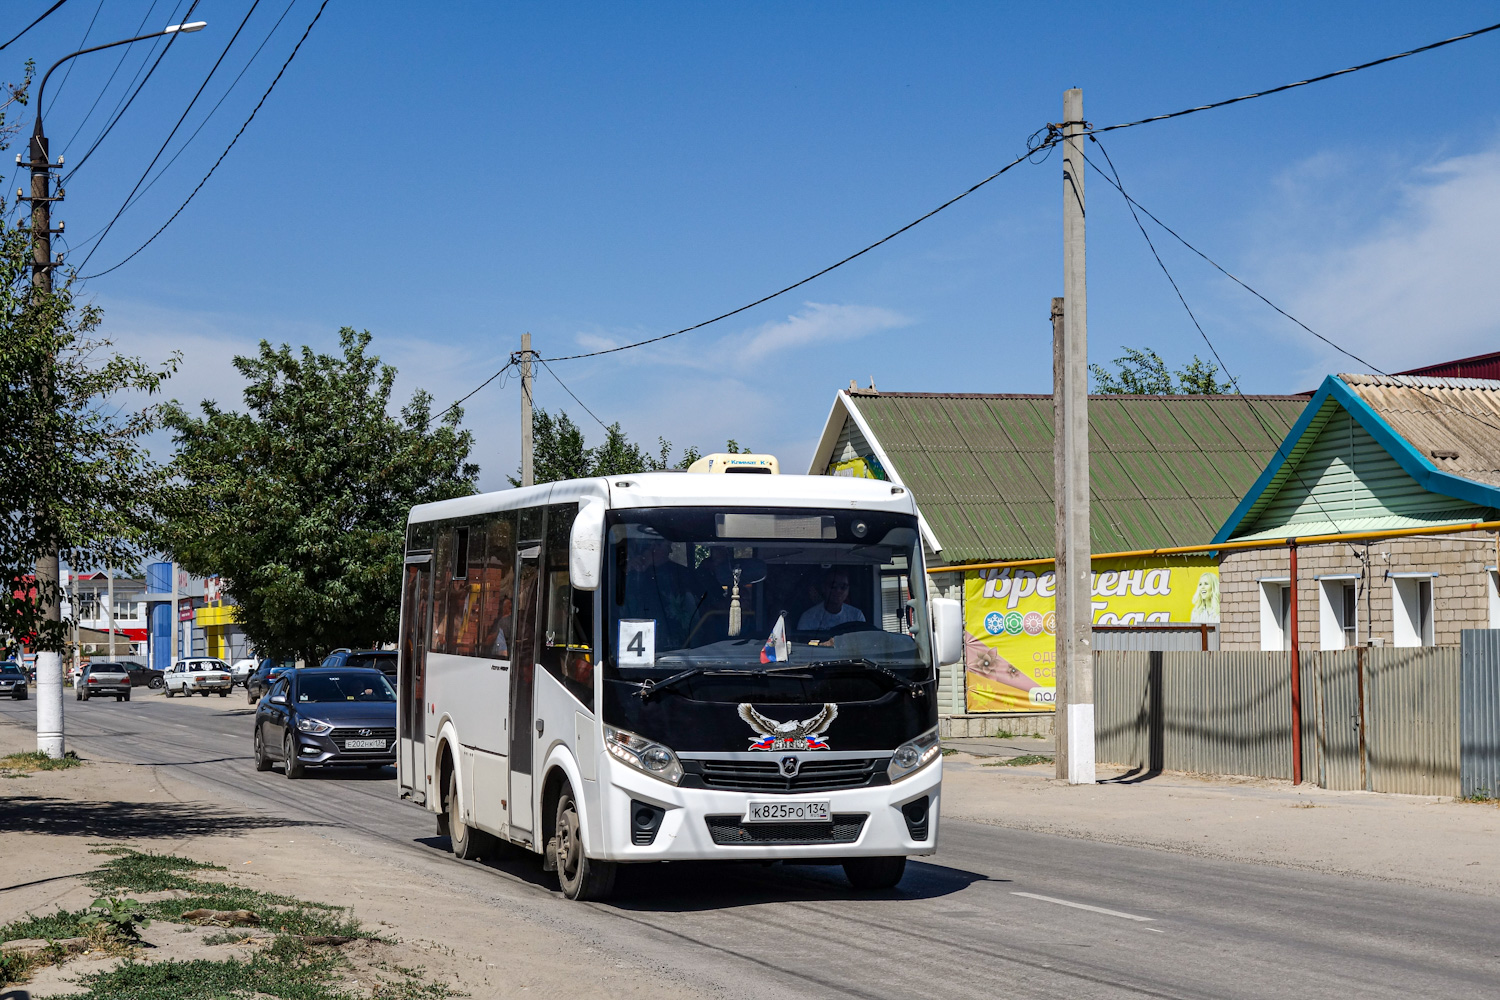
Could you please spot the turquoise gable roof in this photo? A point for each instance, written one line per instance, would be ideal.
(1471, 497)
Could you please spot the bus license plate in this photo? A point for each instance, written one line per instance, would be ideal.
(788, 812)
(364, 744)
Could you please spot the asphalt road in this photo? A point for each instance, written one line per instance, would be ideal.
(996, 913)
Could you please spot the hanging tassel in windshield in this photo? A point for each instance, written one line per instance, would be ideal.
(734, 606)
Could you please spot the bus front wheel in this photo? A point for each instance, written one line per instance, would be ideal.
(580, 876)
(871, 874)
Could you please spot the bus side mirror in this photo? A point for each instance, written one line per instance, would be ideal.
(586, 544)
(947, 630)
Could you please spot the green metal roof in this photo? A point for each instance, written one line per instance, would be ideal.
(1165, 470)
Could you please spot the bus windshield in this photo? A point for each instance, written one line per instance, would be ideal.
(751, 589)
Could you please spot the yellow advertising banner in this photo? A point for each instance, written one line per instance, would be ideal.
(1010, 626)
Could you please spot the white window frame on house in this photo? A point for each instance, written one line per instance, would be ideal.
(1492, 579)
(1337, 621)
(1275, 596)
(1412, 609)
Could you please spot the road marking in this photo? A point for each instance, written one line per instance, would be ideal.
(1083, 906)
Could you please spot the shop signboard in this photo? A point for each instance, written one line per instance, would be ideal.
(1010, 624)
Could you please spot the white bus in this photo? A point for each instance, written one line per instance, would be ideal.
(673, 666)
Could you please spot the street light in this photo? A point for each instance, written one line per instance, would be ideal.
(49, 675)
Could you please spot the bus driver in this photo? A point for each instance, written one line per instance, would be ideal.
(833, 611)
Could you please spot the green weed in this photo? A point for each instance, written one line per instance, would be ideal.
(412, 986)
(62, 924)
(1022, 761)
(287, 973)
(135, 871)
(35, 760)
(121, 919)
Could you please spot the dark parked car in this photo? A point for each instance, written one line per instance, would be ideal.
(323, 716)
(383, 660)
(104, 679)
(142, 676)
(13, 680)
(258, 683)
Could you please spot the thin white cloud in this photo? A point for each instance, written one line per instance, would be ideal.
(1411, 285)
(819, 323)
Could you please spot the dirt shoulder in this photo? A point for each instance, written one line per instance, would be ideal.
(51, 821)
(1421, 840)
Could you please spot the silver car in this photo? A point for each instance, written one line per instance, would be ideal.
(102, 679)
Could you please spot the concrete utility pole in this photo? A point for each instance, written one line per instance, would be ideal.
(1074, 662)
(49, 678)
(526, 466)
(49, 666)
(111, 572)
(172, 643)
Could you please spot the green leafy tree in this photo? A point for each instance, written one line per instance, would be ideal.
(1201, 379)
(75, 476)
(558, 452)
(301, 501)
(1142, 372)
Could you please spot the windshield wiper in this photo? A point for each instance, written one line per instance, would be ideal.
(649, 687)
(913, 688)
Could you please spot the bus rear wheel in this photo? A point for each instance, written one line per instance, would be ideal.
(469, 844)
(871, 874)
(580, 876)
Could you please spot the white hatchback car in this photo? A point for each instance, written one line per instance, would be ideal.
(201, 676)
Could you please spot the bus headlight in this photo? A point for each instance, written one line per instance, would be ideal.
(914, 755)
(643, 754)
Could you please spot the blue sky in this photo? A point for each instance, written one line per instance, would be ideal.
(594, 174)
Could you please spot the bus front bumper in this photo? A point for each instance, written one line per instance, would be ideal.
(700, 824)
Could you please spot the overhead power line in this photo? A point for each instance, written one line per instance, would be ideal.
(134, 94)
(168, 140)
(33, 24)
(1271, 434)
(222, 155)
(570, 392)
(1300, 83)
(124, 53)
(82, 43)
(464, 399)
(206, 119)
(1373, 368)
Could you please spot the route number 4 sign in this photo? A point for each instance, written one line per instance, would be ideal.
(637, 642)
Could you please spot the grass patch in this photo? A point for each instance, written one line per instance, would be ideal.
(35, 760)
(286, 970)
(134, 871)
(1022, 761)
(62, 924)
(411, 985)
(231, 936)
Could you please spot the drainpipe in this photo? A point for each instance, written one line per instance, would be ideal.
(1296, 672)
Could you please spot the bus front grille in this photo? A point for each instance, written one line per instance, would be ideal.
(728, 831)
(766, 776)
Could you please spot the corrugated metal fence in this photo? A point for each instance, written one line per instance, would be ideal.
(1383, 719)
(1479, 713)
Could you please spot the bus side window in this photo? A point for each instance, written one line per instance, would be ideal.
(497, 583)
(442, 559)
(465, 596)
(568, 661)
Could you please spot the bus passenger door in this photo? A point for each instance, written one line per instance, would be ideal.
(522, 684)
(411, 711)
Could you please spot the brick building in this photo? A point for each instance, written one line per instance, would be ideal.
(1372, 454)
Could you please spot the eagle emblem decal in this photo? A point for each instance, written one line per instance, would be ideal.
(799, 734)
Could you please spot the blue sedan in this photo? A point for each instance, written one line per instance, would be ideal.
(326, 716)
